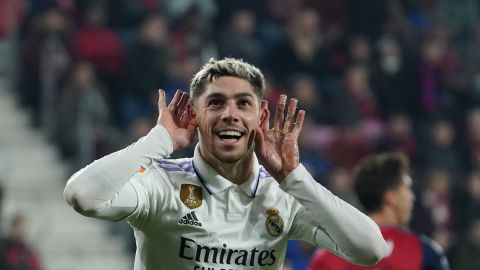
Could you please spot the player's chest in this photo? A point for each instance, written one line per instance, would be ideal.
(228, 214)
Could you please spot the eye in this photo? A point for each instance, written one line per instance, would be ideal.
(214, 103)
(245, 102)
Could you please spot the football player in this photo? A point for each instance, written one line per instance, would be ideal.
(384, 187)
(238, 200)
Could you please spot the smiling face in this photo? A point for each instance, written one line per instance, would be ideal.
(227, 113)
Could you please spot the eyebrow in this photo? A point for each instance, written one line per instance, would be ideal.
(221, 95)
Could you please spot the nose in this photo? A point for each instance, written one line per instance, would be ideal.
(230, 113)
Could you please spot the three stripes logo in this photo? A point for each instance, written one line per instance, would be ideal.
(190, 219)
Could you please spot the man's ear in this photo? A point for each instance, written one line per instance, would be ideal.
(390, 198)
(192, 115)
(264, 113)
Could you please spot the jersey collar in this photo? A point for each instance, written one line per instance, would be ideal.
(214, 182)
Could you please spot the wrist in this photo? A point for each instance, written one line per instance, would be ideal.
(280, 176)
(165, 136)
(171, 136)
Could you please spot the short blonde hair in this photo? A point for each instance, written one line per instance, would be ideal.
(215, 69)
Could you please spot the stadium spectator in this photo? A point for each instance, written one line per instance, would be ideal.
(348, 147)
(467, 257)
(355, 102)
(83, 116)
(313, 148)
(399, 136)
(15, 252)
(306, 89)
(148, 65)
(437, 63)
(472, 134)
(383, 186)
(467, 201)
(395, 79)
(359, 51)
(11, 12)
(434, 212)
(190, 212)
(194, 34)
(442, 149)
(238, 38)
(96, 43)
(45, 60)
(303, 50)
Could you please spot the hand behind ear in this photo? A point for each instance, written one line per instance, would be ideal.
(176, 119)
(277, 147)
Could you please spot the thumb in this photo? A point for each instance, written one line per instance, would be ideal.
(162, 103)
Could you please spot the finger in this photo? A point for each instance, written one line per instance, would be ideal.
(265, 124)
(173, 104)
(292, 107)
(182, 104)
(299, 123)
(162, 103)
(184, 120)
(279, 113)
(184, 100)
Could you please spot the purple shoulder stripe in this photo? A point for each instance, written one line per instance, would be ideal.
(173, 165)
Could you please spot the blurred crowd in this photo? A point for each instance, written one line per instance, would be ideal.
(373, 76)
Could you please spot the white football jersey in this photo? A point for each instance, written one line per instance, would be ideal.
(186, 216)
(190, 217)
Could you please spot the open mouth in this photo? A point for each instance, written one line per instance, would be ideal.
(229, 135)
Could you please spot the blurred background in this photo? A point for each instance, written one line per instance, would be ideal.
(78, 80)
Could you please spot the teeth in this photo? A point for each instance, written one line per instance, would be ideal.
(230, 133)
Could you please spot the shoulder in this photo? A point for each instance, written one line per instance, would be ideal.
(433, 256)
(400, 233)
(403, 247)
(164, 172)
(182, 165)
(430, 244)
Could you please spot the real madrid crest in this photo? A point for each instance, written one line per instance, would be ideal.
(191, 195)
(274, 222)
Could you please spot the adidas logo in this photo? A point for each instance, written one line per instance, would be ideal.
(190, 219)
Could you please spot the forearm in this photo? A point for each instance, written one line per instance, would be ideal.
(95, 190)
(356, 237)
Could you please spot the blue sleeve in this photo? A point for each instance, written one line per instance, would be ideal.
(433, 257)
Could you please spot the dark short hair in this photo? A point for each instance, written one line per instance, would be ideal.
(377, 174)
(215, 69)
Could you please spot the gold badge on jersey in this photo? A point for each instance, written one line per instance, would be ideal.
(274, 222)
(191, 195)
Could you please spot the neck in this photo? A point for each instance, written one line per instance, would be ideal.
(236, 172)
(385, 217)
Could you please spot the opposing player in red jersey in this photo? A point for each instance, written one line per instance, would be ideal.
(383, 186)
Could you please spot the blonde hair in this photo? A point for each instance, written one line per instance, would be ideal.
(215, 69)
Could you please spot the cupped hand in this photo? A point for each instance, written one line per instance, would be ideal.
(277, 147)
(176, 119)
